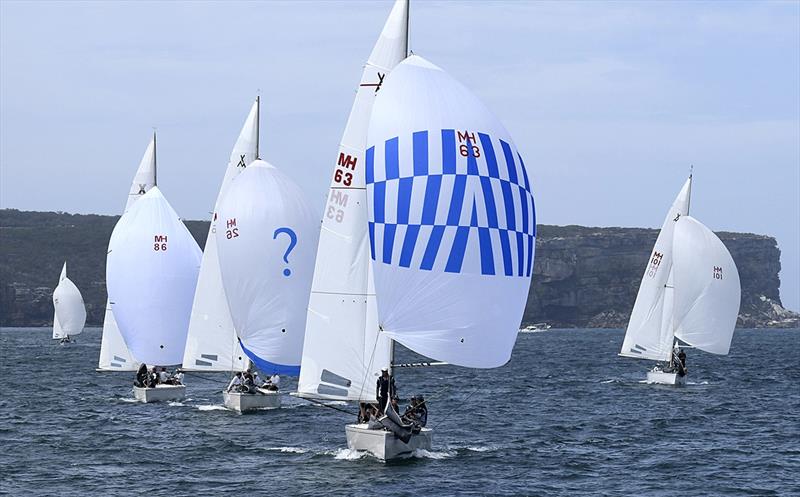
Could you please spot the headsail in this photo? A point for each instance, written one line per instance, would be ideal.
(70, 312)
(343, 349)
(114, 354)
(650, 328)
(451, 219)
(265, 240)
(707, 288)
(211, 344)
(151, 271)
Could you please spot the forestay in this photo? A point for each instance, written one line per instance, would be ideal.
(211, 344)
(152, 268)
(451, 219)
(265, 239)
(343, 349)
(114, 354)
(650, 329)
(707, 289)
(70, 312)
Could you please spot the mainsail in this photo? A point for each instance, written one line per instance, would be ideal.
(151, 271)
(452, 221)
(650, 329)
(114, 354)
(707, 289)
(70, 312)
(342, 313)
(265, 240)
(211, 344)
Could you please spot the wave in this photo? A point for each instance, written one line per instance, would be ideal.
(291, 450)
(176, 404)
(429, 454)
(348, 454)
(214, 407)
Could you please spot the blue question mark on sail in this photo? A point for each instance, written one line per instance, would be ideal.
(292, 242)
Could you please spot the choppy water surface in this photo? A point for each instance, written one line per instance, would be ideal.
(565, 417)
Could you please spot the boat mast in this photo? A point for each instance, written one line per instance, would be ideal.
(689, 199)
(258, 124)
(408, 16)
(155, 164)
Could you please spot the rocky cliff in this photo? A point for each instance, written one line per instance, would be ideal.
(583, 277)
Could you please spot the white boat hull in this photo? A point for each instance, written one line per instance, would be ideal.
(244, 402)
(662, 378)
(384, 444)
(160, 393)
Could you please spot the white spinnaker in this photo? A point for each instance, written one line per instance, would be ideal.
(151, 269)
(707, 288)
(452, 219)
(70, 312)
(211, 344)
(343, 350)
(265, 240)
(114, 354)
(650, 328)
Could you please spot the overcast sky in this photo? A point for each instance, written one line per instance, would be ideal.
(608, 102)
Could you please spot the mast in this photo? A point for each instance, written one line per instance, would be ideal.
(408, 16)
(258, 125)
(155, 163)
(689, 197)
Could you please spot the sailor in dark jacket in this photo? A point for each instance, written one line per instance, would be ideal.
(681, 363)
(385, 389)
(141, 376)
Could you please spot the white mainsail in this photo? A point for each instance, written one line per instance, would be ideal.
(70, 312)
(451, 219)
(650, 329)
(707, 289)
(265, 240)
(342, 313)
(211, 344)
(151, 273)
(114, 354)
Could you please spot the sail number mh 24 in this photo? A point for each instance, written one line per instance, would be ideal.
(160, 243)
(231, 230)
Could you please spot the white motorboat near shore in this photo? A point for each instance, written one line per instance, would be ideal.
(383, 444)
(248, 402)
(160, 393)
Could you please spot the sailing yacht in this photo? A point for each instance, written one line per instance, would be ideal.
(114, 354)
(69, 315)
(689, 294)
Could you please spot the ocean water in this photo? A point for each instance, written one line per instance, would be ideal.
(565, 417)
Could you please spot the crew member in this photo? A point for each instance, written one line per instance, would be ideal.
(236, 381)
(385, 389)
(141, 376)
(681, 363)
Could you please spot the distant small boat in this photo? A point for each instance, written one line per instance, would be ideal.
(690, 293)
(69, 316)
(535, 328)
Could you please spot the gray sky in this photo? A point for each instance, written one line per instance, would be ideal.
(609, 102)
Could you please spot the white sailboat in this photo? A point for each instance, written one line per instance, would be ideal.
(212, 344)
(343, 352)
(265, 240)
(69, 315)
(114, 354)
(690, 293)
(151, 273)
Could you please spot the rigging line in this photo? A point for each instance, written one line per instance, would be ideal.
(462, 401)
(369, 365)
(315, 401)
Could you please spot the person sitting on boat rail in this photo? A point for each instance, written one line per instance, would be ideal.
(141, 376)
(273, 383)
(681, 363)
(385, 389)
(417, 411)
(236, 381)
(163, 376)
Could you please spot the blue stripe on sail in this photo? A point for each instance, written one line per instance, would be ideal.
(508, 202)
(533, 215)
(434, 184)
(392, 159)
(388, 242)
(267, 367)
(488, 197)
(404, 200)
(379, 201)
(448, 151)
(457, 251)
(370, 165)
(420, 139)
(410, 241)
(372, 239)
(529, 267)
(512, 168)
(523, 197)
(488, 152)
(524, 173)
(505, 246)
(520, 254)
(487, 258)
(433, 248)
(472, 162)
(454, 215)
(473, 219)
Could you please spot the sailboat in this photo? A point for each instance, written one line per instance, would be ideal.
(265, 240)
(70, 312)
(690, 293)
(114, 354)
(151, 273)
(212, 344)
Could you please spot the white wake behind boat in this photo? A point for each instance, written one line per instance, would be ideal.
(69, 315)
(690, 293)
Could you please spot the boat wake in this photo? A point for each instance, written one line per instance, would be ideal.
(128, 400)
(214, 407)
(348, 454)
(429, 454)
(291, 450)
(176, 404)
